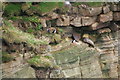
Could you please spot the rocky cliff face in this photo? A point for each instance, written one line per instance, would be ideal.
(75, 60)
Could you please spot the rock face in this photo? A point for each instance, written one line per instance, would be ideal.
(78, 60)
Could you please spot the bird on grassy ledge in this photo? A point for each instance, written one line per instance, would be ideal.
(87, 40)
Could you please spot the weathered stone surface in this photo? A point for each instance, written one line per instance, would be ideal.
(83, 21)
(115, 7)
(76, 22)
(105, 30)
(116, 16)
(97, 25)
(53, 15)
(43, 22)
(89, 11)
(73, 10)
(106, 9)
(114, 27)
(95, 11)
(86, 21)
(63, 21)
(106, 17)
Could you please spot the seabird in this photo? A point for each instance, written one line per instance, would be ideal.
(87, 40)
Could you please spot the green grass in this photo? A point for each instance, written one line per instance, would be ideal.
(45, 7)
(88, 3)
(13, 34)
(12, 9)
(42, 61)
(6, 57)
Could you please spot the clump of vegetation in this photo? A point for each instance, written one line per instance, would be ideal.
(42, 61)
(12, 9)
(6, 57)
(25, 18)
(13, 34)
(88, 3)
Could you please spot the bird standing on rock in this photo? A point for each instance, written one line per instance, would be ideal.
(87, 40)
(51, 30)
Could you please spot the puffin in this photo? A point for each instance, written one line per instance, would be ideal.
(76, 37)
(51, 30)
(87, 40)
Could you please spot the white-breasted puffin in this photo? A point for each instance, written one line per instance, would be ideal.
(87, 40)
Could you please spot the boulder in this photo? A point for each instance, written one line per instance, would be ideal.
(43, 22)
(53, 15)
(114, 27)
(73, 10)
(115, 7)
(104, 30)
(89, 11)
(116, 16)
(106, 17)
(76, 22)
(95, 11)
(106, 9)
(63, 21)
(86, 21)
(97, 25)
(83, 21)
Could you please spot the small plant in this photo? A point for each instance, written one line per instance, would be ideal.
(6, 57)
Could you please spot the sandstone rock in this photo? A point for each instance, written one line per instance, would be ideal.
(86, 21)
(89, 11)
(116, 16)
(43, 22)
(97, 25)
(114, 27)
(106, 17)
(63, 21)
(95, 11)
(83, 21)
(53, 15)
(106, 9)
(73, 10)
(77, 22)
(1, 13)
(115, 7)
(105, 30)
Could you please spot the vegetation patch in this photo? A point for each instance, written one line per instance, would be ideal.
(42, 61)
(13, 34)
